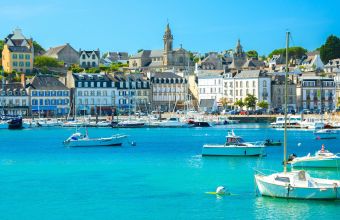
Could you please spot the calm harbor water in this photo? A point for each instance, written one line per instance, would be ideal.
(163, 177)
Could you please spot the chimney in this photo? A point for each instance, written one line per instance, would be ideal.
(22, 79)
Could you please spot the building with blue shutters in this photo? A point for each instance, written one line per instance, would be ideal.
(48, 96)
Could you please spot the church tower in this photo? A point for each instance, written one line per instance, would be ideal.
(239, 56)
(167, 39)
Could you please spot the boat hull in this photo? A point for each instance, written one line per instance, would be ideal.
(322, 163)
(112, 141)
(283, 191)
(221, 150)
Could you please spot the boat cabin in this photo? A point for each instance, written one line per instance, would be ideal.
(232, 139)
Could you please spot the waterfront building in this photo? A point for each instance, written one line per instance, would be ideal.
(169, 91)
(278, 93)
(64, 53)
(14, 99)
(17, 53)
(317, 93)
(161, 60)
(254, 82)
(133, 92)
(214, 61)
(48, 96)
(210, 85)
(94, 93)
(89, 58)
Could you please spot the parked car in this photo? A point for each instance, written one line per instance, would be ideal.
(243, 112)
(233, 112)
(306, 111)
(180, 111)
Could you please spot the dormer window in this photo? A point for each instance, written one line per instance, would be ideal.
(83, 56)
(93, 56)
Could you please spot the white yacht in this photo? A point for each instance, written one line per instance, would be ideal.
(173, 122)
(322, 158)
(82, 140)
(234, 146)
(47, 123)
(325, 134)
(312, 123)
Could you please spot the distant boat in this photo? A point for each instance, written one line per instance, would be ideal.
(269, 142)
(294, 121)
(173, 122)
(325, 134)
(129, 124)
(82, 140)
(199, 123)
(234, 146)
(15, 123)
(322, 159)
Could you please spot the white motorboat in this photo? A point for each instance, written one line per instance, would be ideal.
(325, 134)
(234, 146)
(321, 159)
(294, 121)
(173, 122)
(72, 124)
(47, 123)
(82, 140)
(312, 123)
(295, 184)
(130, 124)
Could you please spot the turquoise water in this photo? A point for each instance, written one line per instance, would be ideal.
(162, 177)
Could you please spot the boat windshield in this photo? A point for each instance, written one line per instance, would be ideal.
(234, 140)
(282, 179)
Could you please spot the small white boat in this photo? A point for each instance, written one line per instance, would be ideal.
(173, 122)
(72, 124)
(325, 134)
(322, 158)
(234, 146)
(294, 121)
(47, 123)
(130, 124)
(80, 140)
(297, 185)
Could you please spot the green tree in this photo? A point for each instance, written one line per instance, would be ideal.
(331, 49)
(93, 70)
(252, 54)
(239, 103)
(1, 47)
(338, 104)
(38, 49)
(250, 101)
(76, 68)
(294, 52)
(42, 61)
(225, 102)
(263, 104)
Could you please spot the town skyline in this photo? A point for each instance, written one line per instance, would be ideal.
(136, 30)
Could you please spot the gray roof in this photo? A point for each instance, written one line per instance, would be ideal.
(166, 75)
(46, 82)
(209, 103)
(143, 53)
(13, 87)
(90, 77)
(156, 53)
(251, 74)
(54, 51)
(210, 73)
(20, 49)
(89, 52)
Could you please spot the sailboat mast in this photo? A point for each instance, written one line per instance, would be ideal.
(286, 107)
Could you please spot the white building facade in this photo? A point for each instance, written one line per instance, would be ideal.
(88, 59)
(210, 84)
(94, 94)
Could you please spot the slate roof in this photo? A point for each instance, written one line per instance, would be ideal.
(54, 51)
(13, 87)
(91, 77)
(250, 74)
(166, 75)
(210, 73)
(88, 53)
(19, 49)
(46, 82)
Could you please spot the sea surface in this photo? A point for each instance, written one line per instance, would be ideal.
(163, 177)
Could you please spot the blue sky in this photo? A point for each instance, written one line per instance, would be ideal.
(201, 26)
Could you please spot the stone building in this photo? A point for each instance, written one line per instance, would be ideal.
(64, 53)
(18, 53)
(169, 91)
(160, 60)
(89, 58)
(278, 93)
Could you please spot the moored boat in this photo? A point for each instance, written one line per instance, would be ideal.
(234, 146)
(321, 159)
(325, 134)
(82, 140)
(269, 142)
(15, 123)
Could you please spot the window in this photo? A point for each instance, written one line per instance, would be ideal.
(21, 56)
(98, 84)
(80, 93)
(105, 93)
(27, 56)
(253, 83)
(80, 102)
(83, 64)
(15, 56)
(79, 84)
(94, 64)
(247, 84)
(93, 57)
(21, 64)
(264, 83)
(86, 84)
(104, 84)
(92, 93)
(83, 56)
(92, 84)
(99, 93)
(27, 64)
(241, 84)
(15, 63)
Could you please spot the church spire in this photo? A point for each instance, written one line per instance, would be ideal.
(167, 38)
(239, 49)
